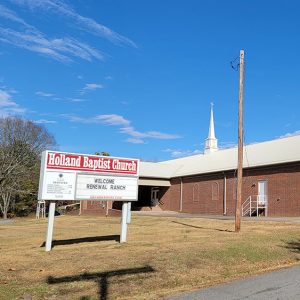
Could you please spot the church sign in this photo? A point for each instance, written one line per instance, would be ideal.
(70, 176)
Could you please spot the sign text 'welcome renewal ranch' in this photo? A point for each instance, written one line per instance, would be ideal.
(70, 176)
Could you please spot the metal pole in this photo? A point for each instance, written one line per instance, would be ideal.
(44, 210)
(240, 147)
(50, 226)
(106, 209)
(124, 222)
(38, 208)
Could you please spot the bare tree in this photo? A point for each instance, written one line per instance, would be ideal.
(7, 193)
(21, 143)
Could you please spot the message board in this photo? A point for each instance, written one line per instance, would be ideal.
(93, 187)
(71, 176)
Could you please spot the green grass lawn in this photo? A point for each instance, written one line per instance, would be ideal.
(163, 256)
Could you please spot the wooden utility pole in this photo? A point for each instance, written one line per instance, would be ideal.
(240, 147)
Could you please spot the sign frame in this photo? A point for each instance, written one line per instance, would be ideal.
(76, 171)
(46, 172)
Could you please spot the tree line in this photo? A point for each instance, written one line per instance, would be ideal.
(21, 144)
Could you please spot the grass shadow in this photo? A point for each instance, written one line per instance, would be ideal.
(88, 239)
(200, 227)
(99, 277)
(293, 246)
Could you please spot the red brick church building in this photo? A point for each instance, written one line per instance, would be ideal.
(206, 183)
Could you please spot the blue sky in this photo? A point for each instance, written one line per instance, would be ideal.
(135, 78)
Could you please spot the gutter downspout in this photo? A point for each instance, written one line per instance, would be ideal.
(224, 197)
(181, 192)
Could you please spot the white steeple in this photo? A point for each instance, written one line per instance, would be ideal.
(211, 143)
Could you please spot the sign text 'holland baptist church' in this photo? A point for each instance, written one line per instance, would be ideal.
(70, 176)
(82, 162)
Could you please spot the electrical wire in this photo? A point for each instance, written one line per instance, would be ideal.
(235, 66)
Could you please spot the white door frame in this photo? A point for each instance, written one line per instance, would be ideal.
(262, 191)
(154, 196)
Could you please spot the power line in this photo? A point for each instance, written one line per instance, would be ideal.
(235, 65)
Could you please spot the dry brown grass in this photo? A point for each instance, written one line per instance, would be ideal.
(163, 256)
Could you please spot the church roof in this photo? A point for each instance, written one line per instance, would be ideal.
(282, 150)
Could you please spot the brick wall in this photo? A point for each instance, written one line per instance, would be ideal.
(204, 194)
(98, 208)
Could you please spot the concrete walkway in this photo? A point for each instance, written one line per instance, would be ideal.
(278, 285)
(164, 213)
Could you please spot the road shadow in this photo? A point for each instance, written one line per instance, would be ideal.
(293, 246)
(200, 227)
(101, 278)
(88, 239)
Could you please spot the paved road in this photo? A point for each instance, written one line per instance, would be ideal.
(279, 285)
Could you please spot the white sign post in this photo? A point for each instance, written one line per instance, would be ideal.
(124, 222)
(129, 213)
(71, 176)
(51, 214)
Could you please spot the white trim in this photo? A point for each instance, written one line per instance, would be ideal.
(153, 182)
